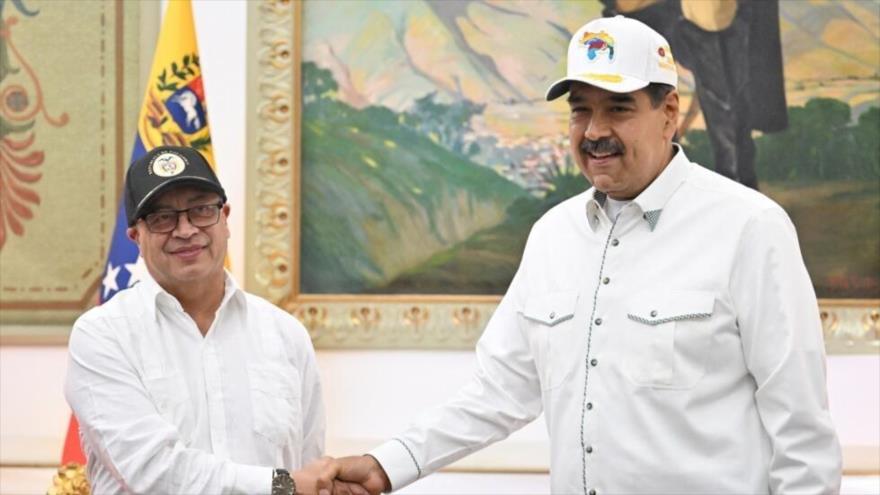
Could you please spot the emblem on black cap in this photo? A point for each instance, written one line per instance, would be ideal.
(167, 164)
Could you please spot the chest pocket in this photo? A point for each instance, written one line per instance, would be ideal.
(667, 335)
(551, 323)
(276, 402)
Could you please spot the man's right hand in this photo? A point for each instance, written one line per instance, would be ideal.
(318, 478)
(366, 471)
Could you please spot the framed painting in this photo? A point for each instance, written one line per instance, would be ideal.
(68, 77)
(401, 151)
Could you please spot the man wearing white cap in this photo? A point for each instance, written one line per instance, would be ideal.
(663, 321)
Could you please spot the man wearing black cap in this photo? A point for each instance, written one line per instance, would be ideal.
(662, 321)
(184, 383)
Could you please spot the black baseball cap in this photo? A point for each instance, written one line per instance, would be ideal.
(161, 169)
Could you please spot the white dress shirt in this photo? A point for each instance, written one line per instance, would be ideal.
(163, 409)
(678, 350)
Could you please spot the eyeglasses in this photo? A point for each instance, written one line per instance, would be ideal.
(164, 221)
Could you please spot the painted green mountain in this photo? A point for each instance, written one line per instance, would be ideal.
(380, 199)
(486, 262)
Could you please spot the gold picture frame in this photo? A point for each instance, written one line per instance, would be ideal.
(346, 321)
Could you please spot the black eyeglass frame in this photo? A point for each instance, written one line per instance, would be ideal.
(219, 205)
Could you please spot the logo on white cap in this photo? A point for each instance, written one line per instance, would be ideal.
(167, 165)
(597, 45)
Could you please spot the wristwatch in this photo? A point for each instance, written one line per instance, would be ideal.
(282, 483)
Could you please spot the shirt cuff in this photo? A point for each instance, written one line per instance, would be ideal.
(398, 462)
(255, 480)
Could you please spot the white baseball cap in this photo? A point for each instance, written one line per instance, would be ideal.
(617, 54)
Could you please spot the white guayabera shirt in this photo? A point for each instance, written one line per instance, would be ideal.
(163, 409)
(678, 350)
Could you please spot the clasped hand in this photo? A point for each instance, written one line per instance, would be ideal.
(354, 475)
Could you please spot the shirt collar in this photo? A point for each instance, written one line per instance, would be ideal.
(154, 295)
(652, 200)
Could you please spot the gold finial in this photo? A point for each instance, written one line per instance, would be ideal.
(70, 480)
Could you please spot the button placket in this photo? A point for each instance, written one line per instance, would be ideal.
(214, 387)
(602, 302)
(595, 422)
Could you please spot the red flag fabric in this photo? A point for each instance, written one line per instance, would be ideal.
(72, 448)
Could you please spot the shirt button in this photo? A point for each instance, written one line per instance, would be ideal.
(614, 242)
(589, 405)
(594, 362)
(589, 449)
(598, 321)
(606, 280)
(653, 313)
(552, 315)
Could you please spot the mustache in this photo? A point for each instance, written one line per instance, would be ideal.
(602, 146)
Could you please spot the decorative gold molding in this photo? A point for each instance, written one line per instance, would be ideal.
(346, 321)
(392, 324)
(851, 326)
(274, 159)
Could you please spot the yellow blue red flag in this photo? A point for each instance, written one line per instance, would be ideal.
(173, 113)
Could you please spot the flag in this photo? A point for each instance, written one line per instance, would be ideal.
(173, 112)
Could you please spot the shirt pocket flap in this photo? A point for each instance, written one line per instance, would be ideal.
(551, 308)
(656, 309)
(274, 379)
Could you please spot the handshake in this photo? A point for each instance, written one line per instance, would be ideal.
(354, 475)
